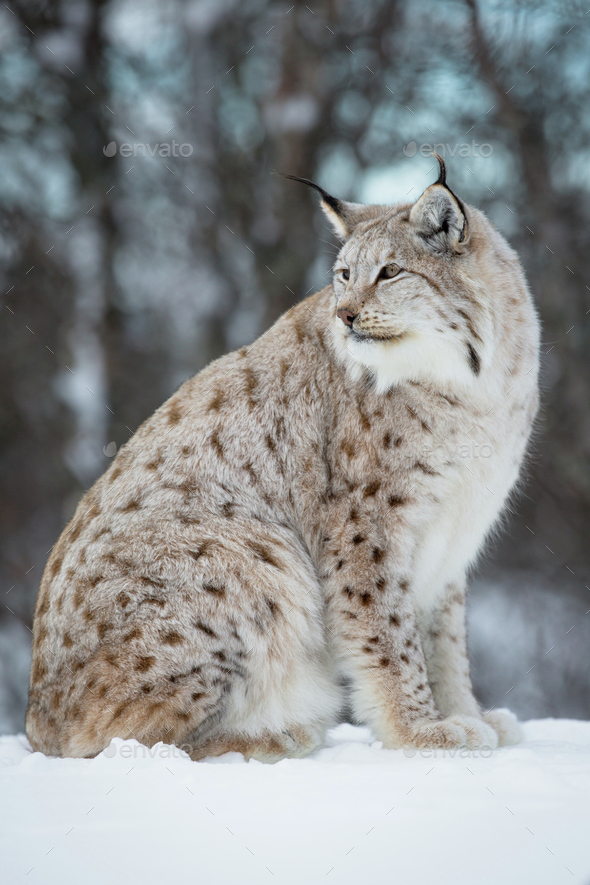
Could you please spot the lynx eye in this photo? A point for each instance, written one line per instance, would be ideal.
(345, 273)
(388, 272)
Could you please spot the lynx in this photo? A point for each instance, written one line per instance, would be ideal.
(289, 534)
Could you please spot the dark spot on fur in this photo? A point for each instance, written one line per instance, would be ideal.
(196, 695)
(384, 662)
(403, 585)
(55, 566)
(263, 553)
(251, 384)
(348, 447)
(380, 583)
(172, 638)
(250, 470)
(270, 443)
(358, 539)
(299, 331)
(41, 635)
(187, 519)
(217, 589)
(273, 607)
(228, 509)
(378, 554)
(387, 440)
(38, 672)
(365, 423)
(151, 582)
(67, 640)
(122, 599)
(374, 639)
(394, 620)
(201, 626)
(200, 551)
(155, 600)
(395, 501)
(284, 369)
(348, 591)
(217, 401)
(339, 564)
(132, 505)
(474, 360)
(116, 471)
(136, 633)
(155, 463)
(372, 489)
(144, 663)
(75, 531)
(147, 687)
(43, 605)
(103, 629)
(404, 658)
(174, 413)
(365, 598)
(353, 515)
(216, 443)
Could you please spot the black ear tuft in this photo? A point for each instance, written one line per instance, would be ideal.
(442, 170)
(342, 216)
(333, 202)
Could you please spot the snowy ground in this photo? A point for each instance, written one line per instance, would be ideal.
(351, 813)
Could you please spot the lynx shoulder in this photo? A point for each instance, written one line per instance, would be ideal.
(304, 510)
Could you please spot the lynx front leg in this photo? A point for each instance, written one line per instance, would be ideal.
(445, 647)
(444, 641)
(372, 616)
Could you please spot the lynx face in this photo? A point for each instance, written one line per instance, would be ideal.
(414, 288)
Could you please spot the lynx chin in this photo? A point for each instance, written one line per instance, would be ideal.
(290, 533)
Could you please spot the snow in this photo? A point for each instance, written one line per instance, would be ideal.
(353, 812)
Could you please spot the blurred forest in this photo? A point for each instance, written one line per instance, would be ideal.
(123, 273)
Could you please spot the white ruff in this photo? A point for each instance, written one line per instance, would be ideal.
(420, 356)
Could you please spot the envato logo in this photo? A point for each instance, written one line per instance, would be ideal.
(461, 752)
(138, 751)
(139, 149)
(466, 450)
(474, 149)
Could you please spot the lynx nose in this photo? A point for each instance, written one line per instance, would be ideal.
(347, 316)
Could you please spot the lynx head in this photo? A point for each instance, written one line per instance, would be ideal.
(418, 287)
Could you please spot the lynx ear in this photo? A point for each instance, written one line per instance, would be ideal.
(440, 217)
(342, 216)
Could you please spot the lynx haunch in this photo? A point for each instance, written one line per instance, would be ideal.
(291, 531)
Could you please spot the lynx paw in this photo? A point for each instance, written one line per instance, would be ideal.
(506, 726)
(455, 731)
